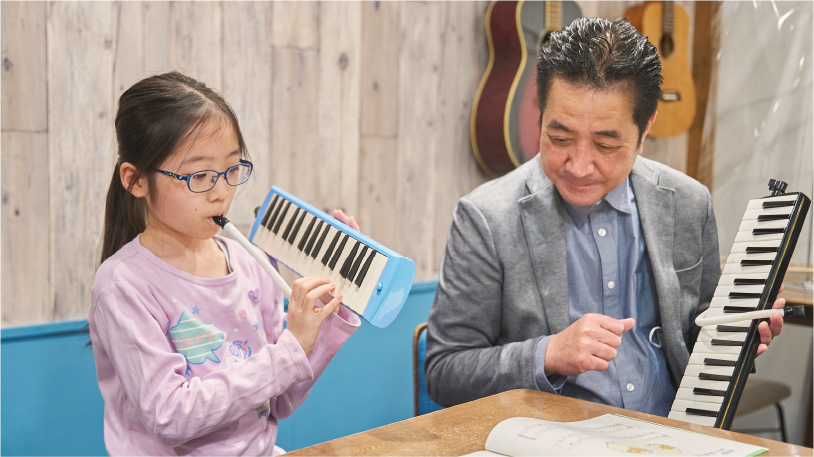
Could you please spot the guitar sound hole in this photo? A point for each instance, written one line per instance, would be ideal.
(666, 45)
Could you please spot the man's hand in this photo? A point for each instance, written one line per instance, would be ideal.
(769, 330)
(587, 344)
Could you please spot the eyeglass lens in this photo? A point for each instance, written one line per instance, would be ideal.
(202, 181)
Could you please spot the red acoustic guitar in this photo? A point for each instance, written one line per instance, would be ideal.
(667, 26)
(504, 127)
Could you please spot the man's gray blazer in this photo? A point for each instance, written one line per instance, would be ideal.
(503, 282)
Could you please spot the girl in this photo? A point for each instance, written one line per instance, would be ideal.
(186, 327)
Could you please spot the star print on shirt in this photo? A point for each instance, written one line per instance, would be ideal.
(196, 310)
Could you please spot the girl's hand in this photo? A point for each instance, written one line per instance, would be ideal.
(304, 318)
(345, 219)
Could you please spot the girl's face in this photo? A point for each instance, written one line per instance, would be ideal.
(180, 213)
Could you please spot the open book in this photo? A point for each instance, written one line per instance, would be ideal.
(605, 435)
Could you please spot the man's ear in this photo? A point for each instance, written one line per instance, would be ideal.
(127, 173)
(646, 131)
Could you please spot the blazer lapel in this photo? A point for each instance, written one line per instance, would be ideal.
(541, 214)
(656, 213)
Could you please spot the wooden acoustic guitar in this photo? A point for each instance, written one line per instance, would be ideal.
(667, 27)
(504, 127)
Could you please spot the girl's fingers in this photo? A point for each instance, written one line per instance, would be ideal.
(303, 286)
(345, 219)
(326, 298)
(332, 306)
(315, 293)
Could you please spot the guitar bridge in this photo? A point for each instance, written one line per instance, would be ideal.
(670, 96)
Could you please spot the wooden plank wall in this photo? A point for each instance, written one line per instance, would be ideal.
(356, 105)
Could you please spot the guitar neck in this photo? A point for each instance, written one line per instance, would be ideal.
(667, 23)
(553, 15)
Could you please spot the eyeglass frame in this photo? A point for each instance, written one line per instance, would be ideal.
(217, 178)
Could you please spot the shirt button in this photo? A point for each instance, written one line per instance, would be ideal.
(602, 232)
(629, 387)
(611, 285)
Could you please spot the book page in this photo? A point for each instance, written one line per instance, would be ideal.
(606, 435)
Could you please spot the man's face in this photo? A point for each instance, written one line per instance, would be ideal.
(588, 140)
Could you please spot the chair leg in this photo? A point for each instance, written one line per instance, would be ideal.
(782, 420)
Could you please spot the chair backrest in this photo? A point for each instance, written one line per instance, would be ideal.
(51, 399)
(423, 403)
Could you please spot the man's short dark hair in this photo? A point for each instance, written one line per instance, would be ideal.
(599, 54)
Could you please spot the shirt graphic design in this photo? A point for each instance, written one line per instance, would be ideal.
(195, 340)
(240, 349)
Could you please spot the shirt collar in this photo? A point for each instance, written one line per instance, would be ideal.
(618, 199)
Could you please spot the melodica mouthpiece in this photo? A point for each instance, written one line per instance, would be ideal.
(220, 220)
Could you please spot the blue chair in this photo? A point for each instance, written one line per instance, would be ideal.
(423, 403)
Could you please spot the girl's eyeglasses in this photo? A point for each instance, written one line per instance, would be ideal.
(205, 180)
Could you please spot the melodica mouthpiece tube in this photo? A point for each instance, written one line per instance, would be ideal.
(255, 252)
(788, 311)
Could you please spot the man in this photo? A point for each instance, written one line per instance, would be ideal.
(549, 266)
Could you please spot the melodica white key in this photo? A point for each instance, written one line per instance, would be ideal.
(373, 280)
(723, 355)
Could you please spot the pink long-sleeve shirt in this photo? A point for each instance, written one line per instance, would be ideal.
(190, 365)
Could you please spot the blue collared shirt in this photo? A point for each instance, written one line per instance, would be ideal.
(608, 274)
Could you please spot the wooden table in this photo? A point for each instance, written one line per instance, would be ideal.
(463, 429)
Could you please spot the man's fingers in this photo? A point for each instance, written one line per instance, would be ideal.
(765, 333)
(596, 363)
(617, 326)
(605, 352)
(776, 325)
(611, 339)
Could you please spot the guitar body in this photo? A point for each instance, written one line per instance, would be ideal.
(504, 127)
(676, 109)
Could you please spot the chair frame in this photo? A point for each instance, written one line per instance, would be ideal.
(416, 334)
(781, 419)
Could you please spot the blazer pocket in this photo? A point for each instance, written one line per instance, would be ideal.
(689, 284)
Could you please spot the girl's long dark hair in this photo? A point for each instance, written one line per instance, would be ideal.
(155, 115)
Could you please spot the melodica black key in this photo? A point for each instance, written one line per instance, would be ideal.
(304, 239)
(345, 271)
(749, 281)
(296, 229)
(318, 247)
(356, 263)
(338, 253)
(714, 377)
(313, 237)
(365, 267)
(731, 329)
(723, 355)
(275, 208)
(374, 281)
(327, 257)
(270, 210)
(291, 223)
(279, 221)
